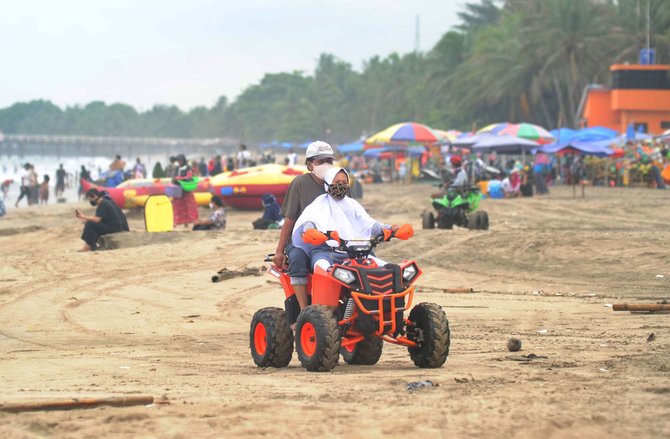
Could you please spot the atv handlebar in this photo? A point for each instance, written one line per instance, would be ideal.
(357, 248)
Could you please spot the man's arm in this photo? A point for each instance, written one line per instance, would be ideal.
(279, 258)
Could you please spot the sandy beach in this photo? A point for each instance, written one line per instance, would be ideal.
(148, 320)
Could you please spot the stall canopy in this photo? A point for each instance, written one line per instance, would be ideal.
(599, 148)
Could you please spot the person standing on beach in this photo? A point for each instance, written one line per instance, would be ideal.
(33, 190)
(139, 171)
(5, 188)
(60, 181)
(84, 175)
(24, 189)
(44, 190)
(243, 157)
(184, 209)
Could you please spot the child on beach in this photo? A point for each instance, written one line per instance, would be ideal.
(44, 190)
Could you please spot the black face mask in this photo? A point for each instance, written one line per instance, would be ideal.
(338, 190)
(93, 202)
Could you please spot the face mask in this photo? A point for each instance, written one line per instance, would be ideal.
(92, 203)
(338, 190)
(320, 170)
(211, 205)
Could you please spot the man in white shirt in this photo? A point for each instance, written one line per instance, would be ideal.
(292, 158)
(243, 157)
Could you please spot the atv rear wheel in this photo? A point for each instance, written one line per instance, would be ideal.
(317, 338)
(430, 330)
(271, 338)
(366, 352)
(479, 221)
(428, 220)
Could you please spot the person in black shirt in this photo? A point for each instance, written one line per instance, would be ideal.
(60, 181)
(108, 219)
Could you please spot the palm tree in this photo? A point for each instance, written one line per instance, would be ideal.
(575, 41)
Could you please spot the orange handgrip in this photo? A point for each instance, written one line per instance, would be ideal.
(404, 232)
(335, 236)
(314, 237)
(387, 234)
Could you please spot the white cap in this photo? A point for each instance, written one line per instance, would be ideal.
(319, 150)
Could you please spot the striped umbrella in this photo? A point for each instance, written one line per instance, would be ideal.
(494, 128)
(530, 132)
(403, 133)
(448, 135)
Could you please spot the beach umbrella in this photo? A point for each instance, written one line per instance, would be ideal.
(528, 131)
(504, 144)
(448, 135)
(467, 141)
(403, 133)
(494, 128)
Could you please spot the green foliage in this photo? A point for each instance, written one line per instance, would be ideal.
(507, 60)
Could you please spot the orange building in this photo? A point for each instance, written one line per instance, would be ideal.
(640, 95)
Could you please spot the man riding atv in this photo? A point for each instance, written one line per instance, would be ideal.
(355, 302)
(457, 204)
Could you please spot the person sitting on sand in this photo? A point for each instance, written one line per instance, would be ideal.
(511, 184)
(335, 211)
(272, 217)
(108, 219)
(217, 220)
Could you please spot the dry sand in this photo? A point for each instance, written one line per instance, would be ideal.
(148, 320)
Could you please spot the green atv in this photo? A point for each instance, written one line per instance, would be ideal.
(457, 207)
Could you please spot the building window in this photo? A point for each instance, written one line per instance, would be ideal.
(665, 124)
(640, 128)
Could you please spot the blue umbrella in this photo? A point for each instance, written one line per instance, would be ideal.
(351, 147)
(412, 150)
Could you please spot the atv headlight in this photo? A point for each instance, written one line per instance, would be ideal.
(409, 272)
(343, 275)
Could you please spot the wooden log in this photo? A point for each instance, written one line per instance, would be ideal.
(77, 403)
(458, 290)
(649, 307)
(224, 273)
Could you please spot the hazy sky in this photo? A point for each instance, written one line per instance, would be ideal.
(190, 52)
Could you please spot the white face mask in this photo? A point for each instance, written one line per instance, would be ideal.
(320, 170)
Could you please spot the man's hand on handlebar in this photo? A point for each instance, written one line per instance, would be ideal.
(279, 259)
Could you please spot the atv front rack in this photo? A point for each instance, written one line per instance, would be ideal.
(361, 299)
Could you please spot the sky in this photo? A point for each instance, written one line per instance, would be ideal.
(191, 52)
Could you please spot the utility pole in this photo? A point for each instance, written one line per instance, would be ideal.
(417, 40)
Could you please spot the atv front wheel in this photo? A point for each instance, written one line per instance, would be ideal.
(317, 338)
(271, 338)
(428, 220)
(429, 328)
(366, 352)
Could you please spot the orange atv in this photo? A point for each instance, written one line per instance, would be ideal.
(355, 306)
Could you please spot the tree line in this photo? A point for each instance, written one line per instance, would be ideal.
(516, 60)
